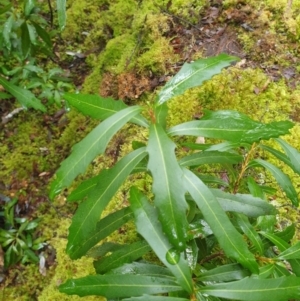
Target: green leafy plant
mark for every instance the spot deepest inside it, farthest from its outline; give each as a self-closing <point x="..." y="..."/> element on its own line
<point x="23" y="37"/>
<point x="17" y="237"/>
<point x="214" y="238"/>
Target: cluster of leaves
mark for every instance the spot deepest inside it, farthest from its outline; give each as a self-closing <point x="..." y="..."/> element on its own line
<point x="24" y="37"/>
<point x="17" y="237"/>
<point x="213" y="238"/>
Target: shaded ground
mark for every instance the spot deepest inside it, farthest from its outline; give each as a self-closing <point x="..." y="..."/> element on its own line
<point x="217" y="30"/>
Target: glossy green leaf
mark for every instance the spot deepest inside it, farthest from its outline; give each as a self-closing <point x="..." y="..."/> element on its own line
<point x="279" y="155"/>
<point x="194" y="74"/>
<point x="100" y="108"/>
<point x="228" y="272"/>
<point x="85" y="220"/>
<point x="61" y="12"/>
<point x="88" y="148"/>
<point x="228" y="237"/>
<point x="167" y="186"/>
<point x="127" y="254"/>
<point x="142" y="268"/>
<point x="282" y="179"/>
<point x="288" y="233"/>
<point x="7" y="28"/>
<point x="254" y="188"/>
<point x="231" y="126"/>
<point x="227" y="146"/>
<point x="209" y="157"/>
<point x="191" y="253"/>
<point x="264" y="272"/>
<point x="155" y="298"/>
<point x="84" y="189"/>
<point x="104" y="228"/>
<point x="161" y="113"/>
<point x="292" y="154"/>
<point x="118" y="286"/>
<point x="280" y="270"/>
<point x="292" y="252"/>
<point x="277" y="241"/>
<point x="250" y="232"/>
<point x="205" y="297"/>
<point x="25" y="40"/>
<point x="25" y="97"/>
<point x="243" y="203"/>
<point x="248" y="289"/>
<point x="28" y="7"/>
<point x="101" y="250"/>
<point x="43" y="34"/>
<point x="295" y="265"/>
<point x="34" y="40"/>
<point x="208" y="179"/>
<point x="148" y="225"/>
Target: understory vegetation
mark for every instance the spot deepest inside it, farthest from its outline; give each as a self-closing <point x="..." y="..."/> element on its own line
<point x="187" y="189"/>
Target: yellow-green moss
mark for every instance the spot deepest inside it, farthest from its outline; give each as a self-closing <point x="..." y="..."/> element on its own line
<point x="65" y="268"/>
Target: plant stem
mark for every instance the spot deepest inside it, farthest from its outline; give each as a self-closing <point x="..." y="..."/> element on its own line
<point x="244" y="168"/>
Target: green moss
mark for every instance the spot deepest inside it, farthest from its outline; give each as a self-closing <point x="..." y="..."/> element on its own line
<point x="131" y="33"/>
<point x="65" y="268"/>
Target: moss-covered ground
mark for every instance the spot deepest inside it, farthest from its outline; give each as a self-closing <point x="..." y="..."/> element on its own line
<point x="131" y="48"/>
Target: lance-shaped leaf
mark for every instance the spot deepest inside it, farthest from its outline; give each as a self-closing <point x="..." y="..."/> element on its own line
<point x="194" y="74"/>
<point x="292" y="154"/>
<point x="101" y="250"/>
<point x="148" y="225"/>
<point x="84" y="189"/>
<point x="250" y="232"/>
<point x="255" y="189"/>
<point x="25" y="97"/>
<point x="89" y="147"/>
<point x="87" y="186"/>
<point x="249" y="289"/>
<point x="228" y="237"/>
<point x="210" y="157"/>
<point x="291" y="253"/>
<point x="87" y="215"/>
<point x="99" y="107"/>
<point x="228" y="272"/>
<point x="282" y="179"/>
<point x="61" y="12"/>
<point x="243" y="203"/>
<point x="28" y="7"/>
<point x="167" y="186"/>
<point x="279" y="155"/>
<point x="288" y="233"/>
<point x="104" y="227"/>
<point x="43" y="34"/>
<point x="231" y="126"/>
<point x="264" y="272"/>
<point x="126" y="254"/>
<point x="155" y="298"/>
<point x="143" y="268"/>
<point x="7" y="29"/>
<point x="280" y="270"/>
<point x="26" y="45"/>
<point x="161" y="113"/>
<point x="118" y="286"/>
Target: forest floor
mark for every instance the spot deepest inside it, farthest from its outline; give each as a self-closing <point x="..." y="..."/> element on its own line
<point x="33" y="144"/>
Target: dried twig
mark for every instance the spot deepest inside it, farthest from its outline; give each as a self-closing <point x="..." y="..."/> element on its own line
<point x="6" y="118"/>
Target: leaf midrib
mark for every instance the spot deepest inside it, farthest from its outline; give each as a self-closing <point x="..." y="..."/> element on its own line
<point x="164" y="246"/>
<point x="165" y="174"/>
<point x="104" y="192"/>
<point x="218" y="221"/>
<point x="92" y="145"/>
